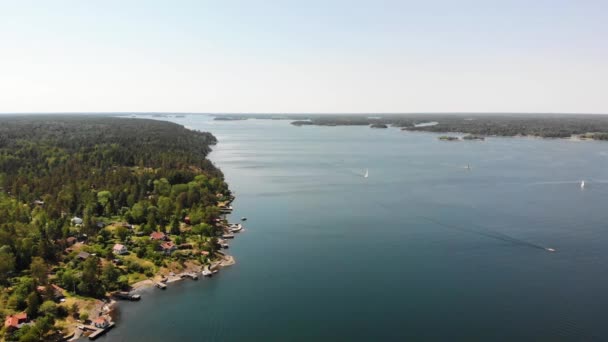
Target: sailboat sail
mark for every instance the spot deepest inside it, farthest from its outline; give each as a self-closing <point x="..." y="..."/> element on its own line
<point x="582" y="184"/>
<point x="366" y="173"/>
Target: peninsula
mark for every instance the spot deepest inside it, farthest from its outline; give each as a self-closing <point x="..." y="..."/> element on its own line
<point x="90" y="206"/>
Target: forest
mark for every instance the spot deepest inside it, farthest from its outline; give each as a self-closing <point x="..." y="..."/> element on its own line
<point x="540" y="125"/>
<point x="72" y="188"/>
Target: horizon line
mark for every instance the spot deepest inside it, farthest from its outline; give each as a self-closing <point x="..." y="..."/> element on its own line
<point x="298" y="113"/>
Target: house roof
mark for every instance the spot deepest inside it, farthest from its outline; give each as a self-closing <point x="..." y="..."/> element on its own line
<point x="100" y="320"/>
<point x="83" y="255"/>
<point x="157" y="235"/>
<point x="118" y="246"/>
<point x="15" y="320"/>
<point x="58" y="290"/>
<point x="167" y="245"/>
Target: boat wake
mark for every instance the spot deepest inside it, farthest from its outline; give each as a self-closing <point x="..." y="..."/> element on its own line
<point x="482" y="231"/>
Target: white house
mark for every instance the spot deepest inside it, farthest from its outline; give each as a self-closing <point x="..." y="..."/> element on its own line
<point x="119" y="249"/>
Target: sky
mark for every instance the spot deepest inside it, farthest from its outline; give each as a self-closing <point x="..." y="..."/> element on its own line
<point x="304" y="56"/>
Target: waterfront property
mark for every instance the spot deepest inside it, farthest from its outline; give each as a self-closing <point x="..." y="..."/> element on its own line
<point x="15" y="321"/>
<point x="167" y="247"/>
<point x="158" y="236"/>
<point x="120" y="249"/>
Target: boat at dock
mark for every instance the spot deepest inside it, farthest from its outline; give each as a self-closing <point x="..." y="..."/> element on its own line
<point x="190" y="275"/>
<point x="226" y="210"/>
<point x="235" y="227"/>
<point x="243" y="218"/>
<point x="161" y="286"/>
<point x="126" y="296"/>
<point x="228" y="236"/>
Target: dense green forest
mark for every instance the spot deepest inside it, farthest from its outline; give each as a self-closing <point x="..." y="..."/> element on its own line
<point x="73" y="184"/>
<point x="541" y="125"/>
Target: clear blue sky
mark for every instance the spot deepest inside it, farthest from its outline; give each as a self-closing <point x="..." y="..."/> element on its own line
<point x="304" y="56"/>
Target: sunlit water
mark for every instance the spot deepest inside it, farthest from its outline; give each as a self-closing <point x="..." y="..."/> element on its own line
<point x="422" y="249"/>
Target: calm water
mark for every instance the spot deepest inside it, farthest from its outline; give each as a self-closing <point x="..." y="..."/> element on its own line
<point x="422" y="249"/>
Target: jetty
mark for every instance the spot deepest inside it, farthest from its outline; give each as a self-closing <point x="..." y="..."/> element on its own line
<point x="207" y="272"/>
<point x="190" y="275"/>
<point x="228" y="235"/>
<point x="126" y="296"/>
<point x="96" y="332"/>
<point x="161" y="286"/>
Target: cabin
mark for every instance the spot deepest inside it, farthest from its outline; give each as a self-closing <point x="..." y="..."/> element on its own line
<point x="83" y="255"/>
<point x="119" y="249"/>
<point x="15" y="321"/>
<point x="167" y="247"/>
<point x="57" y="292"/>
<point x="71" y="241"/>
<point x="158" y="236"/>
<point x="101" y="322"/>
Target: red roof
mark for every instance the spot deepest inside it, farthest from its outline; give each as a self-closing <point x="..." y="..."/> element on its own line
<point x="157" y="236"/>
<point x="15" y="320"/>
<point x="204" y="253"/>
<point x="167" y="245"/>
<point x="118" y="246"/>
<point x="100" y="320"/>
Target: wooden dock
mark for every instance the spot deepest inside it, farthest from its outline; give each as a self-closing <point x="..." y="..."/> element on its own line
<point x="98" y="331"/>
<point x="190" y="275"/>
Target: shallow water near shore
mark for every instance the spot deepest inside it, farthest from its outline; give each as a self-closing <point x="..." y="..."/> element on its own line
<point x="423" y="249"/>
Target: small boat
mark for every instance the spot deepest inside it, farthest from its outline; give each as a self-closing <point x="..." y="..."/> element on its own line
<point x="366" y="173"/>
<point x="207" y="273"/>
<point x="582" y="184"/>
<point x="228" y="236"/>
<point x="161" y="286"/>
<point x="550" y="250"/>
<point x="243" y="218"/>
<point x="468" y="167"/>
<point x="235" y="228"/>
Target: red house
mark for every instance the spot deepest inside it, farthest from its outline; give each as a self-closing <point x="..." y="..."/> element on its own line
<point x="158" y="236"/>
<point x="15" y="321"/>
<point x="168" y="247"/>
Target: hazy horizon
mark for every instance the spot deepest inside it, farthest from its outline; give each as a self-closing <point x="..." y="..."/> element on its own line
<point x="314" y="57"/>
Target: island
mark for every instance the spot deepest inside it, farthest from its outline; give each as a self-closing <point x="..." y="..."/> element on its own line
<point x="378" y="125"/>
<point x="478" y="125"/>
<point x="92" y="207"/>
<point x="448" y="138"/>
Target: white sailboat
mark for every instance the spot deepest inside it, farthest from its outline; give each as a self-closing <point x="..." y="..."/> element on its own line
<point x="582" y="184"/>
<point x="366" y="173"/>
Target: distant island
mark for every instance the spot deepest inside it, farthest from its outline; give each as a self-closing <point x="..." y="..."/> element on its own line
<point x="378" y="125"/>
<point x="91" y="207"/>
<point x="580" y="126"/>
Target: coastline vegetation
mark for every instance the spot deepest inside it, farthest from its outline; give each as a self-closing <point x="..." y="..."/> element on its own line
<point x="586" y="126"/>
<point x="81" y="202"/>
